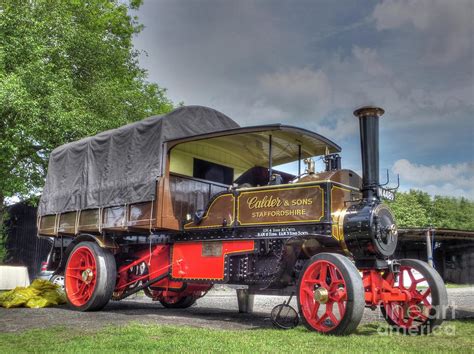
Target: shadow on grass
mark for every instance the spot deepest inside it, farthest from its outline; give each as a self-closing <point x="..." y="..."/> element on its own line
<point x="256" y="320"/>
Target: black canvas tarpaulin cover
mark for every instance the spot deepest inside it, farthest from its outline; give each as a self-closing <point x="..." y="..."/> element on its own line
<point x="120" y="166"/>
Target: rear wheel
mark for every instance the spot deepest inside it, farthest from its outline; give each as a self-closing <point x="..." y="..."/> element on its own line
<point x="427" y="302"/>
<point x="330" y="294"/>
<point x="90" y="277"/>
<point x="178" y="303"/>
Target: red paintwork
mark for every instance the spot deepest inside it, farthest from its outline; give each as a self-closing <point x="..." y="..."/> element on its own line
<point x="157" y="265"/>
<point x="379" y="288"/>
<point x="78" y="290"/>
<point x="322" y="317"/>
<point x="195" y="290"/>
<point x="157" y="261"/>
<point x="168" y="284"/>
<point x="189" y="263"/>
<point x="415" y="307"/>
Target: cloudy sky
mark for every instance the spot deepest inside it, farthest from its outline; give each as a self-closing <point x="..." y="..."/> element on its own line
<point x="311" y="63"/>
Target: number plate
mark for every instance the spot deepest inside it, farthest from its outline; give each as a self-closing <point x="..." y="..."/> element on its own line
<point x="386" y="194"/>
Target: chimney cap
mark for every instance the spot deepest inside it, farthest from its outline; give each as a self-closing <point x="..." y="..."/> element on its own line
<point x="368" y="111"/>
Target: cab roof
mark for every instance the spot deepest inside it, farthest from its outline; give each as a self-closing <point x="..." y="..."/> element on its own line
<point x="254" y="143"/>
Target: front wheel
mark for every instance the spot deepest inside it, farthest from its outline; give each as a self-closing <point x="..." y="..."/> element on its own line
<point x="331" y="296"/>
<point x="90" y="277"/>
<point x="428" y="299"/>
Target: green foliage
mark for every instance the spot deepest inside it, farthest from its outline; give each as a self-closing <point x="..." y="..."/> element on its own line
<point x="3" y="246"/>
<point x="67" y="70"/>
<point x="409" y="212"/>
<point x="418" y="209"/>
<point x="3" y="234"/>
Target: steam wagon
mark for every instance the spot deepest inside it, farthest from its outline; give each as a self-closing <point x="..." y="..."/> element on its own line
<point x="176" y="203"/>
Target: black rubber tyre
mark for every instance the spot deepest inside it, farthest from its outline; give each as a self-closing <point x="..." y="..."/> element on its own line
<point x="355" y="303"/>
<point x="105" y="273"/>
<point x="439" y="298"/>
<point x="183" y="303"/>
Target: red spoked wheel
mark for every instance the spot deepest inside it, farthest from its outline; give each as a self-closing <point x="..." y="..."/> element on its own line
<point x="427" y="299"/>
<point x="90" y="277"/>
<point x="81" y="276"/>
<point x="330" y="294"/>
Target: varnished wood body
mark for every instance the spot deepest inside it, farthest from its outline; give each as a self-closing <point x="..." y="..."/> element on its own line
<point x="312" y="199"/>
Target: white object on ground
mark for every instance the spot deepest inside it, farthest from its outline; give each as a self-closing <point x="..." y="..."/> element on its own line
<point x="11" y="277"/>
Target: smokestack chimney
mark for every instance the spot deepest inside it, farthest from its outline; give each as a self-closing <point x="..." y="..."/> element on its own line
<point x="369" y="146"/>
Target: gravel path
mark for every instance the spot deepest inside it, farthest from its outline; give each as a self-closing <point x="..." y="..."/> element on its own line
<point x="218" y="310"/>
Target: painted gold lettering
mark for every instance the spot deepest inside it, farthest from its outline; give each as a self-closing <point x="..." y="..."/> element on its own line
<point x="265" y="202"/>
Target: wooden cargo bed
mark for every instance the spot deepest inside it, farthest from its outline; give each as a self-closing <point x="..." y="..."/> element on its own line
<point x="187" y="194"/>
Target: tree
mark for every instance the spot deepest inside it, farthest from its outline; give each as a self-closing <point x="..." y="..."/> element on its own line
<point x="67" y="70"/>
<point x="417" y="209"/>
<point x="443" y="211"/>
<point x="408" y="210"/>
<point x="465" y="214"/>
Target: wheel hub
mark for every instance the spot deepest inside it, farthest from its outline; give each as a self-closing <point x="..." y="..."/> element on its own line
<point x="87" y="275"/>
<point x="321" y="295"/>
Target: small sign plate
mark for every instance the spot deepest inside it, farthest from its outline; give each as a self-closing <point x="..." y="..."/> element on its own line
<point x="212" y="249"/>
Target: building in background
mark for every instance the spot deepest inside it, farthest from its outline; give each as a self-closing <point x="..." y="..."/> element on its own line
<point x="452" y="251"/>
<point x="23" y="247"/>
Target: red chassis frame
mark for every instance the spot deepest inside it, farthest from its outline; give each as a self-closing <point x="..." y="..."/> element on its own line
<point x="189" y="261"/>
<point x="186" y="261"/>
<point x="158" y="263"/>
<point x="379" y="288"/>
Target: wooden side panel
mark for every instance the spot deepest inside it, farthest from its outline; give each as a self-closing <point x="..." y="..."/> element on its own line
<point x="47" y="225"/>
<point x="219" y="214"/>
<point x="190" y="195"/>
<point x="89" y="221"/>
<point x="141" y="215"/>
<point x="67" y="223"/>
<point x="120" y="218"/>
<point x="165" y="218"/>
<point x="114" y="217"/>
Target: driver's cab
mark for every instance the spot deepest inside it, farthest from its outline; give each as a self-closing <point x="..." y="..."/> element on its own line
<point x="202" y="167"/>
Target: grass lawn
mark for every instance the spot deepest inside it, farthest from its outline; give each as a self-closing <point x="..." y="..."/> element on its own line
<point x="452" y="336"/>
<point x="454" y="286"/>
